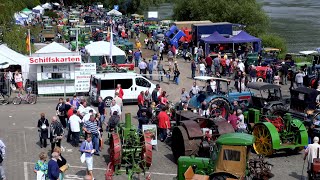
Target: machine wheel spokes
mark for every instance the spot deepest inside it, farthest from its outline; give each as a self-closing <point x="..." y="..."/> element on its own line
<point x="115" y="149"/>
<point x="146" y="153"/>
<point x="263" y="143"/>
<point x="110" y="171"/>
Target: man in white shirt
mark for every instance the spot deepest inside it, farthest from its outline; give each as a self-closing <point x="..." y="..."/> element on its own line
<point x="194" y="89"/>
<point x="86" y="117"/>
<point x="115" y="107"/>
<point x="311" y="152"/>
<point x="75" y="121"/>
<point x="118" y="100"/>
<point x="241" y="66"/>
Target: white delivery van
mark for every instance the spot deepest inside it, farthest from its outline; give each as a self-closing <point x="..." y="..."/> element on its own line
<point x="104" y="85"/>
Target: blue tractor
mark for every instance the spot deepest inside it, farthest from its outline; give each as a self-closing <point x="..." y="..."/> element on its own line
<point x="220" y="96"/>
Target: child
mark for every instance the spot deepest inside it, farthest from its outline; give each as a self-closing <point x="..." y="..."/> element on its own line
<point x="276" y="79"/>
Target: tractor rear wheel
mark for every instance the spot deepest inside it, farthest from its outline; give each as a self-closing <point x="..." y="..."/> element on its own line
<point x="146" y="153"/>
<point x="263" y="143"/>
<point x="277" y="110"/>
<point x="222" y="176"/>
<point x="182" y="145"/>
<point x="223" y="106"/>
<point x="115" y="150"/>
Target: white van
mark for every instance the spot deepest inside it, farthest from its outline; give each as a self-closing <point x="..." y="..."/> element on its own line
<point x="104" y="85"/>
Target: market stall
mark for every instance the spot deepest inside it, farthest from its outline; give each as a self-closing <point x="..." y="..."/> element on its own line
<point x="100" y="51"/>
<point x="54" y="65"/>
<point x="38" y="10"/>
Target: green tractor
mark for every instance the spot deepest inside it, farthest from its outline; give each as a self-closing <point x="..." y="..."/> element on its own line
<point x="275" y="133"/>
<point x="229" y="159"/>
<point x="130" y="151"/>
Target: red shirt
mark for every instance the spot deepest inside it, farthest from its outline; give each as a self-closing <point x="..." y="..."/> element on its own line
<point x="163" y="118"/>
<point x="209" y="61"/>
<point x="140" y="99"/>
<point x="223" y="62"/>
<point x="233" y="119"/>
<point x="70" y="112"/>
<point x="120" y="92"/>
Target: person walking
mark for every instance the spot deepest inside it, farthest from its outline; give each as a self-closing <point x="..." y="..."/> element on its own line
<point x="113" y="122"/>
<point x="62" y="163"/>
<point x="143" y="67"/>
<point x="61" y="112"/>
<point x="311" y="153"/>
<point x="119" y="90"/>
<point x="87" y="148"/>
<point x="43" y="129"/>
<point x="200" y="52"/>
<point x="137" y="56"/>
<point x="160" y="71"/>
<point x="253" y="74"/>
<point x="176" y="76"/>
<point x="193" y="69"/>
<point x="102" y="109"/>
<point x="276" y="79"/>
<point x="19" y="81"/>
<point x="150" y="68"/>
<point x="2" y="157"/>
<point x="41" y="167"/>
<point x="202" y="69"/>
<point x="209" y="63"/>
<point x="56" y="133"/>
<point x="299" y="79"/>
<point x="115" y="107"/>
<point x="164" y="123"/>
<point x="53" y="168"/>
<point x="284" y="72"/>
<point x="75" y="128"/>
<point x="91" y="127"/>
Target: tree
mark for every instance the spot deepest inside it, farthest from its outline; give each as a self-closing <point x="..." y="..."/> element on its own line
<point x="133" y="6"/>
<point x="275" y="41"/>
<point x="245" y="12"/>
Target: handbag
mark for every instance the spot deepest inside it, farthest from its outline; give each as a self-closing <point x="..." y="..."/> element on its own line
<point x="83" y="155"/>
<point x="64" y="168"/>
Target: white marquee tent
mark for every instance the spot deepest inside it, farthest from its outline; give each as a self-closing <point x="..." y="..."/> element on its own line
<point x="114" y="13"/>
<point x="11" y="57"/>
<point x="38" y="9"/>
<point x="53" y="48"/>
<point x="47" y="6"/>
<point x="102" y="48"/>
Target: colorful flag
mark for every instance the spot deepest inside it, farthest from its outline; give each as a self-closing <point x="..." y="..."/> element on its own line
<point x="28" y="41"/>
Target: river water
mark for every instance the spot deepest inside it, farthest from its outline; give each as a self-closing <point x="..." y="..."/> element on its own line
<point x="295" y="20"/>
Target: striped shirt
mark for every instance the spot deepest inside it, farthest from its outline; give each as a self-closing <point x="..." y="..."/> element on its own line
<point x="91" y="126"/>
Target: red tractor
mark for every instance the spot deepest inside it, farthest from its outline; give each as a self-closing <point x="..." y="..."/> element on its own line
<point x="262" y="73"/>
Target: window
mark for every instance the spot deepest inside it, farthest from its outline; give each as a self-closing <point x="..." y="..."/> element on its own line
<point x="108" y="85"/>
<point x="55" y="71"/>
<point x="301" y="96"/>
<point x="125" y="83"/>
<point x="142" y="82"/>
<point x="231" y="155"/>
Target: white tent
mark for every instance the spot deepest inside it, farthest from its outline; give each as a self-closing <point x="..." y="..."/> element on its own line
<point x="38" y="9"/>
<point x="56" y="4"/>
<point x="114" y="13"/>
<point x="53" y="48"/>
<point x="13" y="58"/>
<point x="102" y="48"/>
<point x="47" y="6"/>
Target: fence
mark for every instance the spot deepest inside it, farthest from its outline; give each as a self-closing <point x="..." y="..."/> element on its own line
<point x="62" y="84"/>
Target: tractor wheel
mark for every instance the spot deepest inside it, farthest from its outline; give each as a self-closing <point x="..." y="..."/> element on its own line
<point x="277" y="110"/>
<point x="109" y="171"/>
<point x="181" y="145"/>
<point x="263" y="143"/>
<point x="146" y="153"/>
<point x="260" y="79"/>
<point x="115" y="150"/>
<point x="223" y="106"/>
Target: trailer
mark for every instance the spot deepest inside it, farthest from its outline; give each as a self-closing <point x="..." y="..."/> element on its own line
<point x="188" y="24"/>
<point x="205" y="30"/>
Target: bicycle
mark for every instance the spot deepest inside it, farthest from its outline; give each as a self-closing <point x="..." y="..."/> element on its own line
<point x="29" y="98"/>
<point x="4" y="98"/>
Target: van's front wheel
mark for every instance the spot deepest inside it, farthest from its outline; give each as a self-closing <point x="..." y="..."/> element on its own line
<point x="108" y="100"/>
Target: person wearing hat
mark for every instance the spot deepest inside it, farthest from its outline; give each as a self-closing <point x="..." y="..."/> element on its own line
<point x="311" y="153"/>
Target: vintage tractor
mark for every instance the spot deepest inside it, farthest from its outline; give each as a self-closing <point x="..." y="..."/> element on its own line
<point x="222" y="96"/>
<point x="194" y="135"/>
<point x="130" y="151"/>
<point x="274" y="133"/>
<point x="229" y="159"/>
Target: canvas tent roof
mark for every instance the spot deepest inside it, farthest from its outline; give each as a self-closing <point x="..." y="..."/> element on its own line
<point x="38" y="8"/>
<point x="102" y="48"/>
<point x="47" y="6"/>
<point x="216" y="38"/>
<point x="244" y="37"/>
<point x="114" y="12"/>
<point x="13" y="58"/>
<point x="53" y="48"/>
<point x="26" y="11"/>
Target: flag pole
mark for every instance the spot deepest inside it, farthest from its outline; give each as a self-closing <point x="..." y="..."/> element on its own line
<point x="29" y="43"/>
<point x="111" y="42"/>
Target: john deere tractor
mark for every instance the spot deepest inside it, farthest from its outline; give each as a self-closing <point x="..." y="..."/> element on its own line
<point x="229" y="159"/>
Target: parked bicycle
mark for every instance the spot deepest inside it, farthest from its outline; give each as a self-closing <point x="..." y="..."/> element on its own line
<point x="4" y="98"/>
<point x="29" y="98"/>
